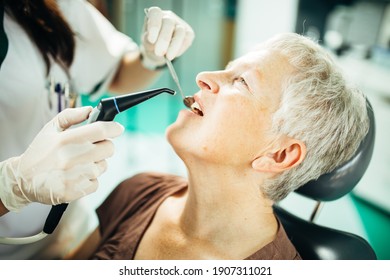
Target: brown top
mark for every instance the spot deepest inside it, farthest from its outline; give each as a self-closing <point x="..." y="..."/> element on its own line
<point x="127" y="212"/>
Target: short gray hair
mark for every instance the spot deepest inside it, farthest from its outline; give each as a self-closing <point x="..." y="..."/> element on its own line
<point x="317" y="107"/>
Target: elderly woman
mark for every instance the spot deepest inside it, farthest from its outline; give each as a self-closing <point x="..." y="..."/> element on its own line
<point x="275" y="118"/>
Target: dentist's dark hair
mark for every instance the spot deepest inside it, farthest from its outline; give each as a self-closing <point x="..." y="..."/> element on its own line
<point x="44" y="23"/>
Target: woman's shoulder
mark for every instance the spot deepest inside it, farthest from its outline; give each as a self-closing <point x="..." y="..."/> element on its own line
<point x="145" y="186"/>
<point x="156" y="177"/>
<point x="280" y="248"/>
<point x="140" y="193"/>
<point x="150" y="181"/>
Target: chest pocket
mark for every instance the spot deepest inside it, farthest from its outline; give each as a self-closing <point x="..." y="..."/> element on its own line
<point x="3" y="36"/>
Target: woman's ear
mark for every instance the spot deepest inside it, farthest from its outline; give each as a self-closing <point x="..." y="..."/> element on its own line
<point x="290" y="153"/>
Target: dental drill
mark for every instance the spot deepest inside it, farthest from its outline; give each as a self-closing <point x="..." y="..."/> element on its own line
<point x="106" y="110"/>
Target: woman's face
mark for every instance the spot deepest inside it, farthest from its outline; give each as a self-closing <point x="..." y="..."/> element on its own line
<point x="237" y="105"/>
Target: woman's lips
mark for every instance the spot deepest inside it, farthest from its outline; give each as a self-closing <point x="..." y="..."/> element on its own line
<point x="196" y="109"/>
<point x="191" y="103"/>
<point x="197" y="106"/>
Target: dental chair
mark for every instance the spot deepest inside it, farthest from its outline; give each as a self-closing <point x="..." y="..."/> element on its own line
<point x="316" y="242"/>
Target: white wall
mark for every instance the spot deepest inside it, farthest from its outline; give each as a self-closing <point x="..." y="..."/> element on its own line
<point x="258" y="20"/>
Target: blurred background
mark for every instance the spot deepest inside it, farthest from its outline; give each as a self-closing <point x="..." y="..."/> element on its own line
<point x="357" y="32"/>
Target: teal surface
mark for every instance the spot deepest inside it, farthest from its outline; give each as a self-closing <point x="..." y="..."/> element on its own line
<point x="377" y="225"/>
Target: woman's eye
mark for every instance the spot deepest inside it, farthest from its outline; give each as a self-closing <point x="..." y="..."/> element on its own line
<point x="241" y="80"/>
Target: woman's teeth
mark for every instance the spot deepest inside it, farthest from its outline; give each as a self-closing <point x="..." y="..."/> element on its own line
<point x="190" y="103"/>
<point x="196" y="109"/>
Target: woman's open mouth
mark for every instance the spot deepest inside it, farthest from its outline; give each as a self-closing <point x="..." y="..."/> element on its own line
<point x="190" y="103"/>
<point x="196" y="109"/>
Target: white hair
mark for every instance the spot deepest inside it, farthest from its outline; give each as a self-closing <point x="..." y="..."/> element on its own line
<point x="317" y="107"/>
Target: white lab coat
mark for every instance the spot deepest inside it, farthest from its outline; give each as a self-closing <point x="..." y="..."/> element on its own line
<point x="24" y="109"/>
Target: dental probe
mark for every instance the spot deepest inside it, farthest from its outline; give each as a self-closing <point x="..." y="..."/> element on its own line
<point x="187" y="100"/>
<point x="106" y="110"/>
<point x="174" y="75"/>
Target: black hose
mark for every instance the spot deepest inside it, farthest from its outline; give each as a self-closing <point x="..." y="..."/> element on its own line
<point x="54" y="217"/>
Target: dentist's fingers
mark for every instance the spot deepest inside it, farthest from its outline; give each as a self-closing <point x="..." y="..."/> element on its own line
<point x="82" y="181"/>
<point x="101" y="150"/>
<point x="165" y="36"/>
<point x="95" y="132"/>
<point x="153" y="24"/>
<point x="187" y="42"/>
<point x="95" y="170"/>
<point x="71" y="116"/>
<point x="176" y="42"/>
<point x="84" y="153"/>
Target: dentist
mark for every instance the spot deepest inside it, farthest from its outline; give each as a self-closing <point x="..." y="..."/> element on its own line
<point x="50" y="52"/>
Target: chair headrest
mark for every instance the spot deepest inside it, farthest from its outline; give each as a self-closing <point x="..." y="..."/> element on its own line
<point x="344" y="178"/>
<point x="318" y="242"/>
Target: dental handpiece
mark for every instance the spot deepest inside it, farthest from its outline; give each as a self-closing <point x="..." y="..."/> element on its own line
<point x="106" y="110"/>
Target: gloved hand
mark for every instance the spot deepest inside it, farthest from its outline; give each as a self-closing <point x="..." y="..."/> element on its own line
<point x="61" y="164"/>
<point x="164" y="34"/>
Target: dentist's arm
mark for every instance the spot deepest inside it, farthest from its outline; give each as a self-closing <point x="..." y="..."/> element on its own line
<point x="61" y="164"/>
<point x="164" y="34"/>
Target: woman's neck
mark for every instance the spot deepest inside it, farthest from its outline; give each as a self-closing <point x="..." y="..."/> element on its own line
<point x="222" y="204"/>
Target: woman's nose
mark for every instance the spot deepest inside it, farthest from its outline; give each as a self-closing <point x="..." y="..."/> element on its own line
<point x="207" y="81"/>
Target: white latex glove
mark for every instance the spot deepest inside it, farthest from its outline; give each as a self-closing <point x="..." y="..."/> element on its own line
<point x="61" y="164"/>
<point x="164" y="34"/>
